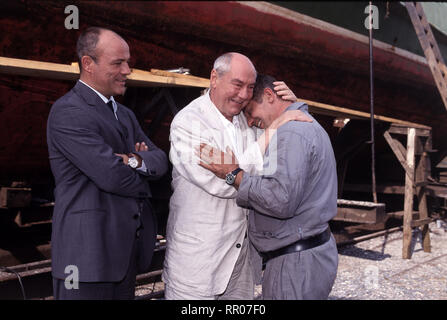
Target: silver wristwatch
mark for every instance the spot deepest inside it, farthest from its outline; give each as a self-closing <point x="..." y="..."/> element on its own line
<point x="133" y="163"/>
<point x="231" y="177"/>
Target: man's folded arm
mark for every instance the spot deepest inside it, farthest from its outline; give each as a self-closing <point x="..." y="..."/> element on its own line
<point x="154" y="158"/>
<point x="76" y="137"/>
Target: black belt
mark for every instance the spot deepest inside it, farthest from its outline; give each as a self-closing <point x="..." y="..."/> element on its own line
<point x="298" y="246"/>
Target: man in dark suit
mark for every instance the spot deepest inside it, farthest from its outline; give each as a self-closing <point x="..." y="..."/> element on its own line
<point x="104" y="230"/>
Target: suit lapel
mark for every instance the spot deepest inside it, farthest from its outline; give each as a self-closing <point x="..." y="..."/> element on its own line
<point x="104" y="111"/>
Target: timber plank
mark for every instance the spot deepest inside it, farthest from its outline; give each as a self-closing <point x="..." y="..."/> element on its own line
<point x="138" y="78"/>
<point x="161" y="78"/>
<point x="360" y="211"/>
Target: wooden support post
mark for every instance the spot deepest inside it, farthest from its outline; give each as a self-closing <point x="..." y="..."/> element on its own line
<point x="409" y="185"/>
<point x="416" y="177"/>
<point x="422" y="170"/>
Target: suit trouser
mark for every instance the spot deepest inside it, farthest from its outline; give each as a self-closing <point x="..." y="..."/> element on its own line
<point x="240" y="286"/>
<point x="122" y="290"/>
<point x="305" y="275"/>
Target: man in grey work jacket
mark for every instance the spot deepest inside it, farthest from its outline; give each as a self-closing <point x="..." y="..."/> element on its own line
<point x="292" y="205"/>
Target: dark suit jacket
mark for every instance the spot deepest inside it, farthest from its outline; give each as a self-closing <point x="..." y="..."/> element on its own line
<point x="97" y="196"/>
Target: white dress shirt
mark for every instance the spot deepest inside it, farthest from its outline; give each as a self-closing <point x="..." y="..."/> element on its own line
<point x="103" y="98"/>
<point x="205" y="226"/>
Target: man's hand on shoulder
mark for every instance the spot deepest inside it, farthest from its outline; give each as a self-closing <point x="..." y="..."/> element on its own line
<point x="289" y="115"/>
<point x="284" y="91"/>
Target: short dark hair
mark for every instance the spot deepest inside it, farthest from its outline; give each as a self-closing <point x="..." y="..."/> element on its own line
<point x="87" y="42"/>
<point x="262" y="81"/>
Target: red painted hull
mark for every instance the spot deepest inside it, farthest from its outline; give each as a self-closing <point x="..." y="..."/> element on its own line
<point x="314" y="62"/>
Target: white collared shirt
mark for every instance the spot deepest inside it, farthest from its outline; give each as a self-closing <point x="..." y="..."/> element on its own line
<point x="250" y="159"/>
<point x="233" y="129"/>
<point x="115" y="106"/>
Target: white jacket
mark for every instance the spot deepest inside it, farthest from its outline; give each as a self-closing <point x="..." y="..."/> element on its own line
<point x="205" y="225"/>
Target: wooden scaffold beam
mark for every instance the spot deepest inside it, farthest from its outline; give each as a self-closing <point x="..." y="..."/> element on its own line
<point x="429" y="46"/>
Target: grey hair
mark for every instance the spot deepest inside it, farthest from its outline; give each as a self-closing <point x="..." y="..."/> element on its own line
<point x="222" y="63"/>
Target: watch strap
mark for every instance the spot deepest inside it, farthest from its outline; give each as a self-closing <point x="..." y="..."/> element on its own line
<point x="236" y="171"/>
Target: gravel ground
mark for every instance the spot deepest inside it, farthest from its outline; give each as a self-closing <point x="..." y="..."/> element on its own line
<point x="149" y="289"/>
<point x="374" y="269"/>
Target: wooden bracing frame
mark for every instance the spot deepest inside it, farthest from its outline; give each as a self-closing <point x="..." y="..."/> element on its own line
<point x="416" y="163"/>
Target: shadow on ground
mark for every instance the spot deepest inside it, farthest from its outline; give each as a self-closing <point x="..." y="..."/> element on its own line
<point x="353" y="251"/>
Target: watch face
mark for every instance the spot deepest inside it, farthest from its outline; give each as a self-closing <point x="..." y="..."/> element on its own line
<point x="230" y="178"/>
<point x="133" y="162"/>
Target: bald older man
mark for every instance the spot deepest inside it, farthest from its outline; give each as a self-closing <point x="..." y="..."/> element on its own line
<point x="207" y="246"/>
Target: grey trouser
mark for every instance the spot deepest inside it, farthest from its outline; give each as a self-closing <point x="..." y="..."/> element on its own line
<point x="305" y="275"/>
<point x="240" y="285"/>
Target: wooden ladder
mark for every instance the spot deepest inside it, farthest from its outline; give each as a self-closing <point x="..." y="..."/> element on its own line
<point x="416" y="162"/>
<point x="430" y="47"/>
